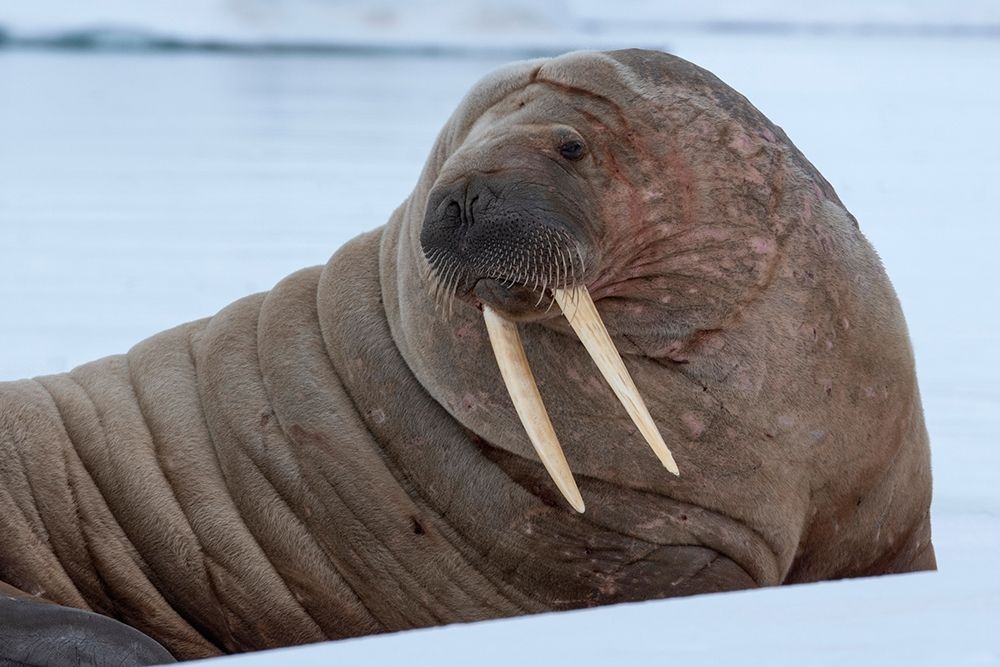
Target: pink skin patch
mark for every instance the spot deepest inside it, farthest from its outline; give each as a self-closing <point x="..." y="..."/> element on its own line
<point x="469" y="401"/>
<point x="762" y="246"/>
<point x="480" y="400"/>
<point x="467" y="330"/>
<point x="744" y="146"/>
<point x="694" y="423"/>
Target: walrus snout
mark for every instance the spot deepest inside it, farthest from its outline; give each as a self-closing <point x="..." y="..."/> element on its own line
<point x="515" y="237"/>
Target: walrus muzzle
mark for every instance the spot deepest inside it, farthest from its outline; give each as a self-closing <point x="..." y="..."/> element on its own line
<point x="501" y="246"/>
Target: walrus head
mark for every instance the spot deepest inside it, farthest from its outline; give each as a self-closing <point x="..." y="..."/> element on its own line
<point x="556" y="191"/>
<point x="629" y="199"/>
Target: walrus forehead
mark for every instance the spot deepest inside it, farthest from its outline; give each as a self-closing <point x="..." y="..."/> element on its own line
<point x="575" y="85"/>
<point x="598" y="75"/>
<point x="531" y="116"/>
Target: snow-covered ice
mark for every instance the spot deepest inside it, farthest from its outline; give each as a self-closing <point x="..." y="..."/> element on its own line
<point x="912" y="620"/>
<point x="141" y="191"/>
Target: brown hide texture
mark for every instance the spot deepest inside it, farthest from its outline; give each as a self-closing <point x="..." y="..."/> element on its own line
<point x="336" y="458"/>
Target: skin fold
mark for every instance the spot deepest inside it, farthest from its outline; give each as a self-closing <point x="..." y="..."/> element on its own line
<point x="338" y="457"/>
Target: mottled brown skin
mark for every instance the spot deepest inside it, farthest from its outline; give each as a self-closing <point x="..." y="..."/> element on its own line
<point x="336" y="458"/>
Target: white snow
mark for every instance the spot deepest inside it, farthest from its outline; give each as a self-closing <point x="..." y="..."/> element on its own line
<point x="140" y="191"/>
<point x="916" y="619"/>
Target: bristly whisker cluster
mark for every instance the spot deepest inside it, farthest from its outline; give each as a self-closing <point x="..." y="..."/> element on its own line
<point x="551" y="259"/>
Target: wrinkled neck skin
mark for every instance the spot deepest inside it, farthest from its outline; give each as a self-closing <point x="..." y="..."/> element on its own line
<point x="717" y="241"/>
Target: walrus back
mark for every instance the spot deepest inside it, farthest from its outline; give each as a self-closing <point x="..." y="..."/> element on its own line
<point x="130" y="487"/>
<point x="84" y="480"/>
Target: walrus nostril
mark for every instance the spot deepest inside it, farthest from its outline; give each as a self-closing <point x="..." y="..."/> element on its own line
<point x="453" y="214"/>
<point x="470" y="211"/>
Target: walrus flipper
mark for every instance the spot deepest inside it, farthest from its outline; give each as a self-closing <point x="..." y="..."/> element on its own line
<point x="43" y="634"/>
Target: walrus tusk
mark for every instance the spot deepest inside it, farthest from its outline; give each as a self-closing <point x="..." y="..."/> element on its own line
<point x="579" y="310"/>
<point x="520" y="382"/>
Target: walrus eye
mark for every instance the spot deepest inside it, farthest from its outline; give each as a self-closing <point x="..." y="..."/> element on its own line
<point x="572" y="150"/>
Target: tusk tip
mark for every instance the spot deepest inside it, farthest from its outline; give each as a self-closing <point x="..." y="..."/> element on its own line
<point x="571" y="493"/>
<point x="671" y="465"/>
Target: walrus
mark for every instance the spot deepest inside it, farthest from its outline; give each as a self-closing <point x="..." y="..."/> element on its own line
<point x="622" y="342"/>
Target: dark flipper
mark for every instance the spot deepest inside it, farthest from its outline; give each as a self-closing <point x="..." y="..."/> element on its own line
<point x="41" y="634"/>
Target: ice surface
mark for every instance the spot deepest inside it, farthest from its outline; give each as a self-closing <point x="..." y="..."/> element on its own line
<point x="916" y="619"/>
<point x="138" y="192"/>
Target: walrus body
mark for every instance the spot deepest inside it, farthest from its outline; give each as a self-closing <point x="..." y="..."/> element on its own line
<point x="337" y="457"/>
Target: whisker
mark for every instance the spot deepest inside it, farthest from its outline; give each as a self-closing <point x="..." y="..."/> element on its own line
<point x="451" y="291"/>
<point x="437" y="294"/>
<point x="541" y="295"/>
<point x="434" y="283"/>
<point x="562" y="258"/>
<point x="534" y="270"/>
<point x="572" y="266"/>
<point x="446" y="305"/>
<point x="433" y="290"/>
<point x="449" y="271"/>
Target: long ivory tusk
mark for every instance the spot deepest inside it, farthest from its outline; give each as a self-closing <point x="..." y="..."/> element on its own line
<point x="520" y="382"/>
<point x="579" y="309"/>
